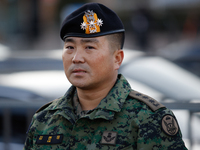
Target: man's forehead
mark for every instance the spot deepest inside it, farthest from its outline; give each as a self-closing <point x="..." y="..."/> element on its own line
<point x="83" y="40"/>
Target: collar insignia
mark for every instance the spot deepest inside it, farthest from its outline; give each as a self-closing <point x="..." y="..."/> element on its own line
<point x="91" y="23"/>
<point x="170" y="125"/>
<point x="49" y="139"/>
<point x="109" y="137"/>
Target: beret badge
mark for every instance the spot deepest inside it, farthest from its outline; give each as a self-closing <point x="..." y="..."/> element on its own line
<point x="91" y="23"/>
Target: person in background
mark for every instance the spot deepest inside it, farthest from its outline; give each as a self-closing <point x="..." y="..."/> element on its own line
<point x="100" y="110"/>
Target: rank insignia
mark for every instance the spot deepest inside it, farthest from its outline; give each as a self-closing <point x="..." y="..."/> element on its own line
<point x="152" y="103"/>
<point x="170" y="125"/>
<point x="49" y="139"/>
<point x="91" y="23"/>
<point x="109" y="137"/>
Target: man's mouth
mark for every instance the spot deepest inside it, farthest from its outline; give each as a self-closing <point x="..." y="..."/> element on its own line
<point x="78" y="71"/>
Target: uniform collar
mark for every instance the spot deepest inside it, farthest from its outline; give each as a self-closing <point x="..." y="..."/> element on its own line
<point x="66" y="101"/>
<point x="113" y="102"/>
<point x="116" y="97"/>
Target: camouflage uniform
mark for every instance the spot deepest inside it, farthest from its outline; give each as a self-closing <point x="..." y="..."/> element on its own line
<point x="125" y="119"/>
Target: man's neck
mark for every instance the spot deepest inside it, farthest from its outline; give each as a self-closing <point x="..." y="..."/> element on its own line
<point x="90" y="99"/>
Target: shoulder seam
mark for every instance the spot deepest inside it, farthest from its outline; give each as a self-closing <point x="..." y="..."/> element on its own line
<point x="149" y="101"/>
<point x="46" y="105"/>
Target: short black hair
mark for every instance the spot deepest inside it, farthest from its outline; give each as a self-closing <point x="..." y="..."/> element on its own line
<point x="116" y="40"/>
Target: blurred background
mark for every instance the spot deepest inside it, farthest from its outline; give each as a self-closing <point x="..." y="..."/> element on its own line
<point x="162" y="59"/>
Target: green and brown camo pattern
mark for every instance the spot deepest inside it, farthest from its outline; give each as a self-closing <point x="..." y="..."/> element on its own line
<point x="136" y="125"/>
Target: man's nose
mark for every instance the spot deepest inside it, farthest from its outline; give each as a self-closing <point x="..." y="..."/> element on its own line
<point x="78" y="57"/>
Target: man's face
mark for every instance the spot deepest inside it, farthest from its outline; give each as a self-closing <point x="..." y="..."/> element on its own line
<point x="89" y="63"/>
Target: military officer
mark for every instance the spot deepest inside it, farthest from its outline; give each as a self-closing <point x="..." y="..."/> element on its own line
<point x="100" y="110"/>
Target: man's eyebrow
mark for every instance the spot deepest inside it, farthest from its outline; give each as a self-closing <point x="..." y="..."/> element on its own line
<point x="84" y="40"/>
<point x="89" y="40"/>
<point x="69" y="40"/>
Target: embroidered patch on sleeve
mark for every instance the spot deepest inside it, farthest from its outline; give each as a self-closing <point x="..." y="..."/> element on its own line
<point x="170" y="125"/>
<point x="109" y="137"/>
<point x="49" y="139"/>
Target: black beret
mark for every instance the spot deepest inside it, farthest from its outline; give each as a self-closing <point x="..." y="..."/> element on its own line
<point x="91" y="20"/>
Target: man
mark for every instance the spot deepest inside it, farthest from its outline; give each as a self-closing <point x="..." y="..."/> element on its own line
<point x="100" y="110"/>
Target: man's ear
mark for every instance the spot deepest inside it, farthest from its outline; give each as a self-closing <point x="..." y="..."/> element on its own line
<point x="119" y="56"/>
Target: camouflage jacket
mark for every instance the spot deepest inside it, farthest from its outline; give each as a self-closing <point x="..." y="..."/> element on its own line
<point x="124" y="119"/>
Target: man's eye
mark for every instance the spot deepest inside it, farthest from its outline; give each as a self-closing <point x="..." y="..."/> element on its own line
<point x="90" y="47"/>
<point x="69" y="47"/>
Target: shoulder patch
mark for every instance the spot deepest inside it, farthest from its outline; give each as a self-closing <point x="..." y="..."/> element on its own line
<point x="170" y="125"/>
<point x="152" y="103"/>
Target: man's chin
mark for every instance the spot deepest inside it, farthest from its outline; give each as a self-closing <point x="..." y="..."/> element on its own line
<point x="78" y="84"/>
<point x="83" y="86"/>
